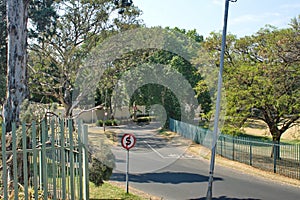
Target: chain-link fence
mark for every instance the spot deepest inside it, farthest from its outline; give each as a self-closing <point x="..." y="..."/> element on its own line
<point x="246" y="150"/>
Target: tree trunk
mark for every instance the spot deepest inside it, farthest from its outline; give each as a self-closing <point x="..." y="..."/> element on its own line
<point x="17" y="90"/>
<point x="276" y="146"/>
<point x="68" y="112"/>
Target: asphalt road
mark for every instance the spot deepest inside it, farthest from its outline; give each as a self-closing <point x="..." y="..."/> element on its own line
<point x="162" y="168"/>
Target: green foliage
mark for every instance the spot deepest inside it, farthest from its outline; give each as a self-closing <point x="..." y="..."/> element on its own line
<point x="31" y="111"/>
<point x="109" y="122"/>
<point x="64" y="40"/>
<point x="99" y="172"/>
<point x="43" y="16"/>
<point x="192" y="34"/>
<point x="261" y="77"/>
<point x="102" y="162"/>
<point x="232" y="130"/>
<point x="99" y="122"/>
<point x="154" y="93"/>
<point x="205" y="100"/>
<point x="109" y="191"/>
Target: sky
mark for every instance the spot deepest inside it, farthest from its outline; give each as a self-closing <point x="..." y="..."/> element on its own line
<point x="245" y="17"/>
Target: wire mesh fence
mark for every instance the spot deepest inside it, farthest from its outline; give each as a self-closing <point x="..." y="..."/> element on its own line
<point x="262" y="155"/>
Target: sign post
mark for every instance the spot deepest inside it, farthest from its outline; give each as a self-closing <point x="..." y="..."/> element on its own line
<point x="127" y="171"/>
<point x="128" y="141"/>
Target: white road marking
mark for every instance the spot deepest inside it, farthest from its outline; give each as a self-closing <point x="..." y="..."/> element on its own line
<point x="160" y="155"/>
<point x="172" y="156"/>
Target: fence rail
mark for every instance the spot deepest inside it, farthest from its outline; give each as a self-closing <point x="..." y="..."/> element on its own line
<point x="252" y="152"/>
<point x="44" y="161"/>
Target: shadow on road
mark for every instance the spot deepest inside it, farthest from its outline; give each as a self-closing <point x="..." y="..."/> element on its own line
<point x="163" y="177"/>
<point x="225" y="198"/>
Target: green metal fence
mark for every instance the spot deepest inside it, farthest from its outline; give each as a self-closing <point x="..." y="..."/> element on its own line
<point x="45" y="161"/>
<point x="245" y="150"/>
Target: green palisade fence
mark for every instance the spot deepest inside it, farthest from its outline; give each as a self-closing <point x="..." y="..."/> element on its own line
<point x="252" y="152"/>
<point x="45" y="161"/>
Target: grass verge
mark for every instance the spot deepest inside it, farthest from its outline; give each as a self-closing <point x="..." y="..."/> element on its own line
<point x="110" y="191"/>
<point x="205" y="153"/>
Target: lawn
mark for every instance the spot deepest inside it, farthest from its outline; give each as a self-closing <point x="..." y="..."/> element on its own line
<point x="109" y="191"/>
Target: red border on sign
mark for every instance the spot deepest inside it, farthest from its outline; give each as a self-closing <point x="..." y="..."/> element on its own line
<point x="123" y="137"/>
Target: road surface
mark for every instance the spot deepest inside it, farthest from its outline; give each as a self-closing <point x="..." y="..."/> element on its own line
<point x="164" y="169"/>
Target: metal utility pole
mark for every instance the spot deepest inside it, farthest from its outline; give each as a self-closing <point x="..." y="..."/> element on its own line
<point x="218" y="104"/>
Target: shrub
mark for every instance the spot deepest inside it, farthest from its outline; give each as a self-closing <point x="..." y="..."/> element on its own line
<point x="99" y="123"/>
<point x="99" y="172"/>
<point x="102" y="162"/>
<point x="109" y="122"/>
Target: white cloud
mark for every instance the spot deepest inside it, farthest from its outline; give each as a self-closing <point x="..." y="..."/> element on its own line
<point x="218" y="2"/>
<point x="249" y="18"/>
<point x="290" y="6"/>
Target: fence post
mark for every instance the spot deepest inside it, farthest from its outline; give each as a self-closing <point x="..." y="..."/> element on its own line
<point x="233" y="141"/>
<point x="298" y="158"/>
<point x="274" y="156"/>
<point x="4" y="157"/>
<point x="80" y="159"/>
<point x="72" y="186"/>
<point x="44" y="166"/>
<point x="53" y="154"/>
<point x="63" y="158"/>
<point x="25" y="162"/>
<point x="250" y="143"/>
<point x="85" y="163"/>
<point x="15" y="162"/>
<point x="224" y="146"/>
<point x="35" y="157"/>
<point x="221" y="143"/>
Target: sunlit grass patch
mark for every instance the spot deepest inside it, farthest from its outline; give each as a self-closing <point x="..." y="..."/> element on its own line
<point x="109" y="191"/>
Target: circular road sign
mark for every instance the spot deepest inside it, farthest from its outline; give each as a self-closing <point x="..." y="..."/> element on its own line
<point x="128" y="141"/>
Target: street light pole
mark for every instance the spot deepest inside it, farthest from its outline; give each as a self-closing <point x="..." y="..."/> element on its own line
<point x="218" y="104"/>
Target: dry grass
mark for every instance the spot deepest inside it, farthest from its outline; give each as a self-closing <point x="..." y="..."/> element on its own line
<point x="134" y="191"/>
<point x="111" y="190"/>
<point x="260" y="128"/>
<point x="204" y="152"/>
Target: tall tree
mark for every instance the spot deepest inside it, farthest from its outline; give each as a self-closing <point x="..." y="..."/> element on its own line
<point x="154" y="93"/>
<point x="17" y="90"/>
<point x="13" y="53"/>
<point x="56" y="58"/>
<point x="3" y="45"/>
<point x="262" y="77"/>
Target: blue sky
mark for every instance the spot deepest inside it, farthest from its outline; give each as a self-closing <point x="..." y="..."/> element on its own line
<point x="245" y="16"/>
